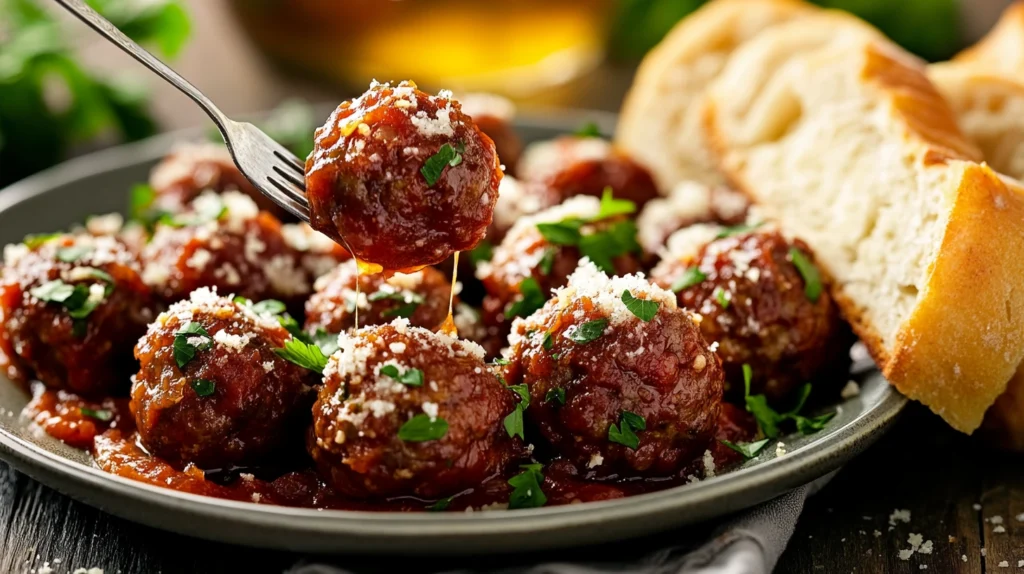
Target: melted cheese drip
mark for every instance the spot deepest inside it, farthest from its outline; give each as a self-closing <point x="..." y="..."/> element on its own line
<point x="448" y="327"/>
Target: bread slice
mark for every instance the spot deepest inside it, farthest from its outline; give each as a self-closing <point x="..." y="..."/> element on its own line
<point x="989" y="109"/>
<point x="850" y="147"/>
<point x="660" y="121"/>
<point x="1002" y="49"/>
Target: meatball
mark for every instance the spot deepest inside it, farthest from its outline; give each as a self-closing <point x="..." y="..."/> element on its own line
<point x="193" y="168"/>
<point x="224" y="241"/>
<point x="573" y="165"/>
<point x="211" y="391"/>
<point x="493" y="114"/>
<point x="762" y="303"/>
<point x="71" y="307"/>
<point x="517" y="199"/>
<point x="407" y="412"/>
<point x="537" y="256"/>
<point x="688" y="203"/>
<point x="318" y="254"/>
<point x="621" y="382"/>
<point x="401" y="178"/>
<point x="420" y="296"/>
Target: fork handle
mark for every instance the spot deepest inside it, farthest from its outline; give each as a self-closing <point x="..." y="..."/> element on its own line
<point x="85" y="13"/>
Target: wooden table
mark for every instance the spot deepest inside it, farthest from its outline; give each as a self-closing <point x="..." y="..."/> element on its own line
<point x="955" y="490"/>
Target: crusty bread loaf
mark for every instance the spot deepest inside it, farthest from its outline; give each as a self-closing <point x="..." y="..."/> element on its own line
<point x="1002" y="49"/>
<point x="850" y="147"/>
<point x="989" y="109"/>
<point x="660" y="121"/>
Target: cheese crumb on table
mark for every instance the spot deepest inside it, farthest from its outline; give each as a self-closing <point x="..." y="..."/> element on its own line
<point x="852" y="389"/>
<point x="899" y="515"/>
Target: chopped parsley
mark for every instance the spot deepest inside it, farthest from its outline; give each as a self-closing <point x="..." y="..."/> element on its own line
<point x="625" y="432"/>
<point x="738" y="229"/>
<point x="500" y="361"/>
<point x="328" y="342"/>
<point x="588" y="331"/>
<point x="186" y="344"/>
<point x="446" y="156"/>
<point x="98" y="414"/>
<point x="210" y="211"/>
<point x="547" y="260"/>
<point x="421" y="429"/>
<point x="588" y="130"/>
<point x="410" y="378"/>
<point x="440" y="505"/>
<point x="809" y="272"/>
<point x="38" y="239"/>
<point x="203" y="387"/>
<point x="531" y="298"/>
<point x="514" y="420"/>
<point x="601" y="246"/>
<point x="268" y="307"/>
<point x="555" y="394"/>
<point x="692" y="276"/>
<point x="769" y="420"/>
<point x="565" y="232"/>
<point x="409" y="302"/>
<point x="73" y="253"/>
<point x="547" y="342"/>
<point x="722" y="297"/>
<point x="139" y="201"/>
<point x="748" y="449"/>
<point x="484" y="251"/>
<point x="526" y="491"/>
<point x="644" y="310"/>
<point x="611" y="207"/>
<point x="306" y="355"/>
<point x="78" y="300"/>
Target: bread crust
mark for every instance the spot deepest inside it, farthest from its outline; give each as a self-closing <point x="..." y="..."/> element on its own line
<point x="1002" y="49"/>
<point x="962" y="341"/>
<point x="656" y="125"/>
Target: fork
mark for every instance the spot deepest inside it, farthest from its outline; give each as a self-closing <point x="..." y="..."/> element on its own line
<point x="274" y="170"/>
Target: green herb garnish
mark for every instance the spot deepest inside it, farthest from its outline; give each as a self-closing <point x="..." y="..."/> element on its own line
<point x="410" y="378"/>
<point x="73" y="253"/>
<point x="738" y="229"/>
<point x="645" y="310"/>
<point x="306" y="355"/>
<point x="526" y="491"/>
<point x="203" y="387"/>
<point x="530" y="299"/>
<point x="484" y="251"/>
<point x="98" y="414"/>
<point x="809" y="272"/>
<point x="435" y="164"/>
<point x="409" y="302"/>
<point x="748" y="449"/>
<point x="188" y="341"/>
<point x="555" y="394"/>
<point x="769" y="420"/>
<point x="692" y="276"/>
<point x="269" y="307"/>
<point x="588" y="130"/>
<point x="588" y="331"/>
<point x="625" y="432"/>
<point x="723" y="297"/>
<point x="611" y="207"/>
<point x="421" y="429"/>
<point x="565" y="232"/>
<point x="440" y="505"/>
<point x="37" y="239"/>
<point x="547" y="260"/>
<point x="514" y="420"/>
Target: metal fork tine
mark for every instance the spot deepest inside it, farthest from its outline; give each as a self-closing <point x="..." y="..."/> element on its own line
<point x="283" y="197"/>
<point x="292" y="161"/>
<point x="290" y="176"/>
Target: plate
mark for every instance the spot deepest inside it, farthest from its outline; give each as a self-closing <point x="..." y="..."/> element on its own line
<point x="99" y="183"/>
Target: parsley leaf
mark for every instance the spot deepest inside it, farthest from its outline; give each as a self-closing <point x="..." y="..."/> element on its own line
<point x="440" y="505"/>
<point x="769" y="420"/>
<point x="722" y="296"/>
<point x="555" y="394"/>
<point x="269" y="307"/>
<point x="809" y="272"/>
<point x="547" y="341"/>
<point x="186" y="344"/>
<point x="588" y="130"/>
<point x="73" y="253"/>
<point x="500" y="361"/>
<point x="748" y="449"/>
<point x="692" y="276"/>
<point x="435" y="164"/>
<point x="328" y="342"/>
<point x="588" y="331"/>
<point x="410" y="378"/>
<point x="514" y="420"/>
<point x="57" y="291"/>
<point x="98" y="414"/>
<point x="484" y="251"/>
<point x="303" y="354"/>
<point x="547" y="260"/>
<point x="611" y="207"/>
<point x="811" y="425"/>
<point x="603" y="246"/>
<point x="738" y="229"/>
<point x="421" y="429"/>
<point x="139" y="201"/>
<point x="203" y="387"/>
<point x="409" y="302"/>
<point x="37" y="239"/>
<point x="645" y="310"/>
<point x="624" y="433"/>
<point x="531" y="299"/>
<point x="565" y="232"/>
<point x="526" y="491"/>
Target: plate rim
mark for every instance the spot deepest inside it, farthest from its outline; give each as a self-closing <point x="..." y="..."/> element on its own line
<point x="383" y="529"/>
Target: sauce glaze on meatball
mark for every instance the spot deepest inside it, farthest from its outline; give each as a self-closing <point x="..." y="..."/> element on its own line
<point x="753" y="300"/>
<point x="572" y="166"/>
<point x="233" y="402"/>
<point x="593" y="366"/>
<point x="407" y="412"/>
<point x="224" y="241"/>
<point x="71" y="307"/>
<point x="420" y="296"/>
<point x="371" y="177"/>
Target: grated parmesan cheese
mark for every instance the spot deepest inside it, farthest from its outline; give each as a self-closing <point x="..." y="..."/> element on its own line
<point x="852" y="389"/>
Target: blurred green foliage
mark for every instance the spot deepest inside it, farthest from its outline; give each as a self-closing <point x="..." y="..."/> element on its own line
<point x="49" y="102"/>
<point x="928" y="28"/>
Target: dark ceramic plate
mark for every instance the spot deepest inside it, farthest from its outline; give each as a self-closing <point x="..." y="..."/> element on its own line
<point x="99" y="183"/>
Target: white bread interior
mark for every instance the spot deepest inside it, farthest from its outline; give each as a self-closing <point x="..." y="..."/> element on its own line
<point x="660" y="122"/>
<point x="838" y="134"/>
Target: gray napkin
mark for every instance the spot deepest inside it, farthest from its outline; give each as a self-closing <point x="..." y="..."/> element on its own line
<point x="749" y="543"/>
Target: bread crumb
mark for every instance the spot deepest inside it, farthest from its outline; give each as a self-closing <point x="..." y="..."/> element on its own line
<point x="899" y="516"/>
<point x="852" y="389"/>
<point x="1004" y="564"/>
<point x="999" y="529"/>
